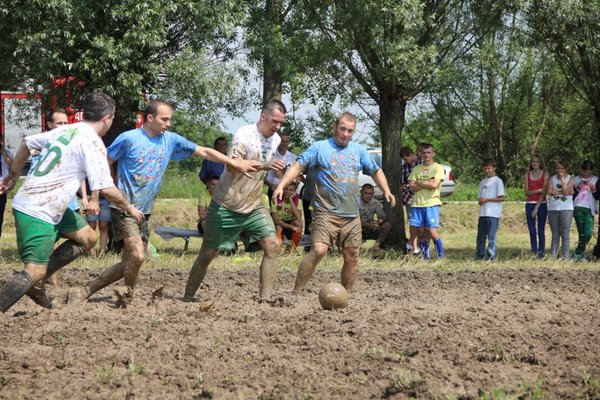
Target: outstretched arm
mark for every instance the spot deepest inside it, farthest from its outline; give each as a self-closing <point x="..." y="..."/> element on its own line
<point x="115" y="196"/>
<point x="291" y="174"/>
<point x="235" y="164"/>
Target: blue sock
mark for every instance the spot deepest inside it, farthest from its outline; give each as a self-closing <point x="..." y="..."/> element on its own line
<point x="424" y="246"/>
<point x="439" y="248"/>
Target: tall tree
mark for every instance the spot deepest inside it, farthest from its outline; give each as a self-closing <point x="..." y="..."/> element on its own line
<point x="387" y="52"/>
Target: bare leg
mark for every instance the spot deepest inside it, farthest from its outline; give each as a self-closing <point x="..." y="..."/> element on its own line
<point x="103" y="227"/>
<point x="268" y="266"/>
<point x="350" y="268"/>
<point x="307" y="267"/>
<point x="198" y="271"/>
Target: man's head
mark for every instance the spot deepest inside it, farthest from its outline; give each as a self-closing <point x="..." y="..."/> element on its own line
<point x="366" y="192"/>
<point x="489" y="168"/>
<point x="99" y="108"/>
<point x="211" y="184"/>
<point x="427" y="153"/>
<point x="271" y="118"/>
<point x="407" y="155"/>
<point x="56" y="118"/>
<point x="344" y="129"/>
<point x="158" y="115"/>
<point x="289" y="190"/>
<point x="220" y="144"/>
<point x="285" y="143"/>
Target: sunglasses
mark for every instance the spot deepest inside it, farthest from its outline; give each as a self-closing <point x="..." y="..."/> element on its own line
<point x="562" y="198"/>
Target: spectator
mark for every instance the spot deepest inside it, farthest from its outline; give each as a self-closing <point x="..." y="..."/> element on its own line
<point x="372" y="217"/>
<point x="287" y="215"/>
<point x="409" y="162"/>
<point x="288" y="158"/>
<point x="491" y="196"/>
<point x="211" y="168"/>
<point x="536" y="180"/>
<point x="6" y="160"/>
<point x="585" y="206"/>
<point x="560" y="208"/>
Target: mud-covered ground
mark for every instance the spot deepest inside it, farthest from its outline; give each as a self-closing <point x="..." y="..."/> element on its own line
<point x="496" y="333"/>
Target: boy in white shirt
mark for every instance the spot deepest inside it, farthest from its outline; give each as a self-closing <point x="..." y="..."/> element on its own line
<point x="491" y="196"/>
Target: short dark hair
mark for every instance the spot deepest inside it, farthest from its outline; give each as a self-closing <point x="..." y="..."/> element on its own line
<point x="367" y="186"/>
<point x="293" y="183"/>
<point x="424" y="146"/>
<point x="152" y="107"/>
<point x="489" y="162"/>
<point x="563" y="163"/>
<point x="274" y="105"/>
<point x="219" y="139"/>
<point x="406" y="151"/>
<point x="97" y="105"/>
<point x="50" y="115"/>
<point x="587" y="165"/>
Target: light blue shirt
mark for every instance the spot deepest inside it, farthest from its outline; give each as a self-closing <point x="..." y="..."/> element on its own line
<point x="337" y="169"/>
<point x="143" y="160"/>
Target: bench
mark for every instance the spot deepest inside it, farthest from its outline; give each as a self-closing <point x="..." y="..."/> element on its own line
<point x="169" y="232"/>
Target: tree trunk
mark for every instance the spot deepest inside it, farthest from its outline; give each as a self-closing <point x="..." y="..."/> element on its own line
<point x="392" y="112"/>
<point x="272" y="76"/>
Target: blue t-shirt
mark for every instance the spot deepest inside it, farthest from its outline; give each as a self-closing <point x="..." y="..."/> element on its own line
<point x="143" y="160"/>
<point x="210" y="169"/>
<point x="336" y="187"/>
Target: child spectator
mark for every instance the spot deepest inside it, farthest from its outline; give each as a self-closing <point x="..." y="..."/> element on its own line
<point x="560" y="208"/>
<point x="287" y="215"/>
<point x="491" y="196"/>
<point x="585" y="206"/>
<point x="535" y="183"/>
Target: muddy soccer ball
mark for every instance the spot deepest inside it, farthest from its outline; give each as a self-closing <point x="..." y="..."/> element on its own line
<point x="333" y="296"/>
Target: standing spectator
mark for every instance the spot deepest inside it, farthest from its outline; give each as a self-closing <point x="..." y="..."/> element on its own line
<point x="336" y="218"/>
<point x="308" y="194"/>
<point x="237" y="209"/>
<point x="211" y="168"/>
<point x="6" y="160"/>
<point x="143" y="155"/>
<point x="585" y="206"/>
<point x="288" y="158"/>
<point x="373" y="218"/>
<point x="560" y="208"/>
<point x="409" y="162"/>
<point x="425" y="181"/>
<point x="536" y="180"/>
<point x="491" y="196"/>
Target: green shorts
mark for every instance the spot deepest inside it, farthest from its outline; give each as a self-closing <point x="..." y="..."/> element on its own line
<point x="36" y="238"/>
<point x="224" y="227"/>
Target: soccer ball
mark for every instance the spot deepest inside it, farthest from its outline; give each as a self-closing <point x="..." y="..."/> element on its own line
<point x="333" y="296"/>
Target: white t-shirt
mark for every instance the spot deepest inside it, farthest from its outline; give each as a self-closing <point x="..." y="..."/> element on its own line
<point x="490" y="188"/>
<point x="238" y="192"/>
<point x="288" y="158"/>
<point x="585" y="198"/>
<point x="561" y="202"/>
<point x="68" y="154"/>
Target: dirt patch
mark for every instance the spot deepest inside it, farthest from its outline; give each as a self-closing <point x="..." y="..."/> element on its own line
<point x="424" y="334"/>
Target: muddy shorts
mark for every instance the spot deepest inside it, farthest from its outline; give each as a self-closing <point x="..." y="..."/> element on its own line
<point x="36" y="238"/>
<point x="224" y="227"/>
<point x="332" y="229"/>
<point x="125" y="226"/>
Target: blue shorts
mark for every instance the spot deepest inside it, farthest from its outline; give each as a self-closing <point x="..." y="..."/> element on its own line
<point x="425" y="217"/>
<point x="103" y="215"/>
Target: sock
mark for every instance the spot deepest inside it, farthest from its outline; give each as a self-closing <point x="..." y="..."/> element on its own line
<point x="424" y="246"/>
<point x="439" y="248"/>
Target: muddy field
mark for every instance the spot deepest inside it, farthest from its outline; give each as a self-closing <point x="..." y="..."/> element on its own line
<point x="486" y="334"/>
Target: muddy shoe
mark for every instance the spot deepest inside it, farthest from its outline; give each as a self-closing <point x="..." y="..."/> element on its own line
<point x="76" y="295"/>
<point x="37" y="293"/>
<point x="124" y="297"/>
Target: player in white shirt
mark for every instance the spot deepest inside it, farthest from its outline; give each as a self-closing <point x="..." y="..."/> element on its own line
<point x="68" y="155"/>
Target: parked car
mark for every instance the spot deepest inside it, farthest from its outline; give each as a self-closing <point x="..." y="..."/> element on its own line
<point x="447" y="185"/>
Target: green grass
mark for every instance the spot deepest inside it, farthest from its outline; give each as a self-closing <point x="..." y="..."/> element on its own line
<point x="469" y="191"/>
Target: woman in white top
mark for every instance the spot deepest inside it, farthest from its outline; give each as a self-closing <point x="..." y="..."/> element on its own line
<point x="585" y="206"/>
<point x="559" y="191"/>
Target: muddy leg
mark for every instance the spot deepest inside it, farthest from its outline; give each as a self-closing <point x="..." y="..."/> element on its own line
<point x="307" y="267"/>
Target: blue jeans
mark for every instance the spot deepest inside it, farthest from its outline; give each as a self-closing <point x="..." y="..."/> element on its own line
<point x="487" y="227"/>
<point x="537" y="237"/>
